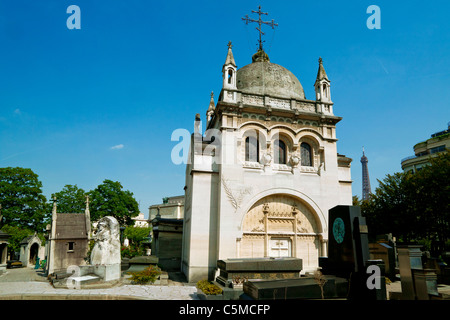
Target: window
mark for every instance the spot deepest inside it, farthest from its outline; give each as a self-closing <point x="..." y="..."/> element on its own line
<point x="325" y="91"/>
<point x="251" y="149"/>
<point x="280" y="152"/>
<point x="230" y="75"/>
<point x="437" y="149"/>
<point x="306" y="155"/>
<point x="70" y="246"/>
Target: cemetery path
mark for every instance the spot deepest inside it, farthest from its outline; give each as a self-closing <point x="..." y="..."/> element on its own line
<point x="25" y="283"/>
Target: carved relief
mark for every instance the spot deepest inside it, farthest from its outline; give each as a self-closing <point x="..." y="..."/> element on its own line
<point x="280" y="218"/>
<point x="281" y="210"/>
<point x="304" y="106"/>
<point x="279" y="103"/>
<point x="235" y="196"/>
<point x="253" y="100"/>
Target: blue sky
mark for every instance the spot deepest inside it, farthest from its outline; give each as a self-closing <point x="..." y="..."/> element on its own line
<point x="139" y="69"/>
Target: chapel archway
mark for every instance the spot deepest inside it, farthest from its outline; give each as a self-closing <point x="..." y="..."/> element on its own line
<point x="34" y="251"/>
<point x="3" y="253"/>
<point x="281" y="226"/>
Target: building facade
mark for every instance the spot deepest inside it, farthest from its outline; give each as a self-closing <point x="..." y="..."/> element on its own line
<point x="68" y="239"/>
<point x="171" y="208"/>
<point x="261" y="178"/>
<point x="439" y="142"/>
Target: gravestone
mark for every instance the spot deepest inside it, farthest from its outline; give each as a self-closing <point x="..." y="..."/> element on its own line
<point x="348" y="241"/>
<point x="257" y="268"/>
<point x="348" y="251"/>
<point x="409" y="257"/>
<point x="417" y="283"/>
<point x="386" y="253"/>
<point x="140" y="263"/>
<point x="300" y="288"/>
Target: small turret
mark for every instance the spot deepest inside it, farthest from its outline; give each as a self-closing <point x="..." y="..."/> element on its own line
<point x="211" y="108"/>
<point x="322" y="84"/>
<point x="229" y="73"/>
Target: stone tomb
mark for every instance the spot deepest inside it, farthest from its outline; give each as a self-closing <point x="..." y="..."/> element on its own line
<point x="386" y="253"/>
<point x="233" y="272"/>
<point x="300" y="288"/>
<point x="140" y="263"/>
<point x="417" y="283"/>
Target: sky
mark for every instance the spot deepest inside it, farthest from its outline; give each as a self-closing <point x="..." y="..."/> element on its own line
<point x="79" y="106"/>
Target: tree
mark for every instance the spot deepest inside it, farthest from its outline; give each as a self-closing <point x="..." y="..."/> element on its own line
<point x="413" y="206"/>
<point x="71" y="199"/>
<point x="17" y="234"/>
<point x="388" y="209"/>
<point x="432" y="200"/>
<point x="23" y="203"/>
<point x="136" y="234"/>
<point x="108" y="199"/>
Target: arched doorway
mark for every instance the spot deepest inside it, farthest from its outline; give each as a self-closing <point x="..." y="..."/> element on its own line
<point x="3" y="253"/>
<point x="281" y="225"/>
<point x="34" y="251"/>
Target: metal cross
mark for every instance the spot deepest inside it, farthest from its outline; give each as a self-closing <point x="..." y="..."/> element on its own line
<point x="260" y="22"/>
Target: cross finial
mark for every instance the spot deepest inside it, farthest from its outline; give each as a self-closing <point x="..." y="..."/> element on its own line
<point x="320" y="60"/>
<point x="229" y="45"/>
<point x="260" y="23"/>
<point x="212" y="94"/>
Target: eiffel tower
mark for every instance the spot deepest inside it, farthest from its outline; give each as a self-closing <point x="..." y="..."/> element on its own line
<point x="366" y="190"/>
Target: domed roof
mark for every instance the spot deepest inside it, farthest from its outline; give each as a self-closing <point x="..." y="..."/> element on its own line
<point x="263" y="77"/>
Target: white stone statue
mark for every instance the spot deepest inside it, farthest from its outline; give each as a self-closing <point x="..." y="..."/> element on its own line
<point x="106" y="250"/>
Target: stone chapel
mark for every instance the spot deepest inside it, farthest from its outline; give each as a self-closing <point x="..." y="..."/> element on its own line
<point x="261" y="178"/>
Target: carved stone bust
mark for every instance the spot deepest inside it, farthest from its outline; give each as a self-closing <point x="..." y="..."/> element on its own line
<point x="106" y="249"/>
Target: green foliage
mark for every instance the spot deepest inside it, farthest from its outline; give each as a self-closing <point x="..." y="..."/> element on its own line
<point x="17" y="235"/>
<point x="208" y="288"/>
<point x="71" y="199"/>
<point x="136" y="234"/>
<point x="87" y="258"/>
<point x="23" y="203"/>
<point x="108" y="199"/>
<point x="148" y="275"/>
<point x="414" y="207"/>
<point x="131" y="251"/>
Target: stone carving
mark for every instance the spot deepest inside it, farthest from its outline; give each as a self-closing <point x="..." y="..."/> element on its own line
<point x="278" y="103"/>
<point x="295" y="160"/>
<point x="253" y="100"/>
<point x="235" y="197"/>
<point x="309" y="107"/>
<point x="266" y="159"/>
<point x="106" y="250"/>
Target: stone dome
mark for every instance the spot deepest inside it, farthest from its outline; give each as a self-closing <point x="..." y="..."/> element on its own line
<point x="266" y="78"/>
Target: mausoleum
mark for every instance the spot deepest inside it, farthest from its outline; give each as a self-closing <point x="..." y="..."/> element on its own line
<point x="262" y="176"/>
